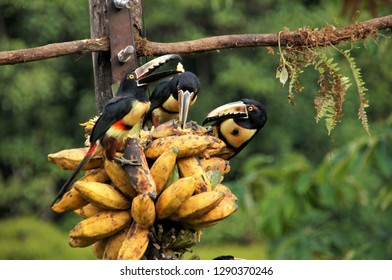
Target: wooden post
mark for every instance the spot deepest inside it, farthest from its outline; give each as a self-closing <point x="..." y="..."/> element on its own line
<point x="117" y="24"/>
<point x="101" y="60"/>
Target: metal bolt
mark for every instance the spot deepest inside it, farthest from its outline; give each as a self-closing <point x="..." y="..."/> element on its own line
<point x="125" y="54"/>
<point x="121" y="4"/>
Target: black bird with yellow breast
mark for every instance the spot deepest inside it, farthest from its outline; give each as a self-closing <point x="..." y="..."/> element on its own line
<point x="121" y="113"/>
<point x="171" y="99"/>
<point x="236" y="124"/>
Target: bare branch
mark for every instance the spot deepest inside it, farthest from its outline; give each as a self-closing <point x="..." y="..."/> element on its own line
<point x="301" y="37"/>
<point x="54" y="50"/>
<point x="304" y="37"/>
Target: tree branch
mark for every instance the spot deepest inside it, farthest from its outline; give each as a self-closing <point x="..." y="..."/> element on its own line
<point x="301" y="37"/>
<point x="54" y="50"/>
<point x="304" y="37"/>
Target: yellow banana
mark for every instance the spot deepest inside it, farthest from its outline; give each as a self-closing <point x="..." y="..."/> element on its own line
<point x="198" y="205"/>
<point x="191" y="167"/>
<point x="188" y="145"/>
<point x="98" y="248"/>
<point x="215" y="163"/>
<point x="69" y="159"/>
<point x="81" y="243"/>
<point x="101" y="225"/>
<point x="174" y="195"/>
<point x="114" y="244"/>
<point x="173" y="127"/>
<point x="72" y="199"/>
<point x="169" y="128"/>
<point x="163" y="167"/>
<point x="224" y="209"/>
<point x="135" y="243"/>
<point x="143" y="210"/>
<point x="199" y="227"/>
<point x="103" y="195"/>
<point x="226" y="190"/>
<point x="88" y="210"/>
<point x="119" y="178"/>
<point x="139" y="175"/>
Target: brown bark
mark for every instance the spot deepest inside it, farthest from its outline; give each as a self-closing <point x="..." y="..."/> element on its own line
<point x="54" y="50"/>
<point x="305" y="37"/>
<point x="145" y="47"/>
<point x="101" y="60"/>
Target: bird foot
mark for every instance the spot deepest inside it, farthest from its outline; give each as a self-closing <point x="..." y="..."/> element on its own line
<point x="123" y="161"/>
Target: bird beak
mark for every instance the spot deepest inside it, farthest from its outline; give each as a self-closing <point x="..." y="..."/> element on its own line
<point x="143" y="73"/>
<point x="233" y="110"/>
<point x="184" y="101"/>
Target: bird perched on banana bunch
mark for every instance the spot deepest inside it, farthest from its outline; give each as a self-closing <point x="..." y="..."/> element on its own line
<point x="236" y="124"/>
<point x="172" y="98"/>
<point x="121" y="113"/>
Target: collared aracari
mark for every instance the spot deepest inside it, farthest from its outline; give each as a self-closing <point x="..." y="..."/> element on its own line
<point x="122" y="112"/>
<point x="236" y="123"/>
<point x="171" y="99"/>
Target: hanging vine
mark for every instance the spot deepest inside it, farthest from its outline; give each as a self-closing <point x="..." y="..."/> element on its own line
<point x="333" y="85"/>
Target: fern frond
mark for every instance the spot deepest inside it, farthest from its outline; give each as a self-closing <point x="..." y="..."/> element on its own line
<point x="363" y="101"/>
<point x="330" y="96"/>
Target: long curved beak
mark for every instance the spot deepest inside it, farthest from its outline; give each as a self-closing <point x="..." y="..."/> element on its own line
<point x="144" y="74"/>
<point x="232" y="110"/>
<point x="184" y="101"/>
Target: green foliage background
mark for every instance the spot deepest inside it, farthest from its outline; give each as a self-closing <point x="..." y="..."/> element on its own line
<point x="302" y="194"/>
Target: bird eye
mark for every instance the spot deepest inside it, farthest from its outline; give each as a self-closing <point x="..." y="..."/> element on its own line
<point x="250" y="108"/>
<point x="131" y="76"/>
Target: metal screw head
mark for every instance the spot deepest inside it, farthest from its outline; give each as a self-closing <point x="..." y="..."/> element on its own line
<point x="121" y="4"/>
<point x="125" y="54"/>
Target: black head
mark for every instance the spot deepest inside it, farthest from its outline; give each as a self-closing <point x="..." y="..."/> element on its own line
<point x="142" y="76"/>
<point x="257" y="116"/>
<point x="236" y="123"/>
<point x="186" y="81"/>
<point x="248" y="113"/>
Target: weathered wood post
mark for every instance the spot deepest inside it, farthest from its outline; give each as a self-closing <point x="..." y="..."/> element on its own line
<point x="113" y="19"/>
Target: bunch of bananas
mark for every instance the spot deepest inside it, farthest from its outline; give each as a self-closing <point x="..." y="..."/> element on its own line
<point x="153" y="210"/>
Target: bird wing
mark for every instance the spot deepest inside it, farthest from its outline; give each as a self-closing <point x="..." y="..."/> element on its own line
<point x="114" y="110"/>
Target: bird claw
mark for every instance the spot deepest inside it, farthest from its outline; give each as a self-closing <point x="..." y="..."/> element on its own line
<point x="123" y="161"/>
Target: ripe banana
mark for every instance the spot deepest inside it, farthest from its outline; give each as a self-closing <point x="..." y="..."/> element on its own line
<point x="139" y="175"/>
<point x="174" y="176"/>
<point x="163" y="187"/>
<point x="163" y="167"/>
<point x="226" y="190"/>
<point x="101" y="225"/>
<point x="188" y="145"/>
<point x="69" y="159"/>
<point x="88" y="210"/>
<point x="168" y="128"/>
<point x="173" y="127"/>
<point x="119" y="178"/>
<point x="191" y="167"/>
<point x="98" y="248"/>
<point x="72" y="199"/>
<point x="102" y="195"/>
<point x="143" y="210"/>
<point x="114" y="244"/>
<point x="198" y="205"/>
<point x="215" y="163"/>
<point x="81" y="243"/>
<point x="135" y="243"/>
<point x="224" y="209"/>
<point x="174" y="195"/>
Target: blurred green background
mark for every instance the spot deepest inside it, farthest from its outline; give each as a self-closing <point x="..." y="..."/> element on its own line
<point x="303" y="194"/>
